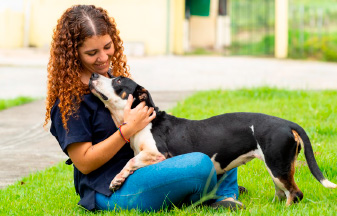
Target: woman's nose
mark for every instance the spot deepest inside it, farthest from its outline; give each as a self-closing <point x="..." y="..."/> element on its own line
<point x="103" y="57"/>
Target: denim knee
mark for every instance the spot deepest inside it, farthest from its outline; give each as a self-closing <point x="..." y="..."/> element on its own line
<point x="201" y="165"/>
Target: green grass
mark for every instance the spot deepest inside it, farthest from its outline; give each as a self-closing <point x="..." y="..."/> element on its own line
<point x="51" y="192"/>
<point x="8" y="103"/>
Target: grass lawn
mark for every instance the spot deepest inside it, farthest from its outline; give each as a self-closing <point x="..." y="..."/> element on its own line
<point x="7" y="103"/>
<point x="51" y="192"/>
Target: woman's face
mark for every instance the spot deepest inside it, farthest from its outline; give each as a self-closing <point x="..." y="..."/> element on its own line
<point x="95" y="55"/>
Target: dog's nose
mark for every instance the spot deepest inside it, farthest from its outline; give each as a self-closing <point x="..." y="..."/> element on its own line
<point x="94" y="76"/>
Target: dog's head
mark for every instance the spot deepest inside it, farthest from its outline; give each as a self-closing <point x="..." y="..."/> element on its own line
<point x="114" y="92"/>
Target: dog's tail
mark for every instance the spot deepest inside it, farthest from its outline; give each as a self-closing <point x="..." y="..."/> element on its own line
<point x="302" y="137"/>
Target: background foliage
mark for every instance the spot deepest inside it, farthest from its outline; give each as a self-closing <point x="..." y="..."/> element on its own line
<point x="312" y="28"/>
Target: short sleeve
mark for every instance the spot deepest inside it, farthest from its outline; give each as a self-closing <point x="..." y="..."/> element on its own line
<point x="79" y="127"/>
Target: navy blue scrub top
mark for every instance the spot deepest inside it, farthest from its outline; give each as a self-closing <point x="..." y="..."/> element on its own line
<point x="91" y="123"/>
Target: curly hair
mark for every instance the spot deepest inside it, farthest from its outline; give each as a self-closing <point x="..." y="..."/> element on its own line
<point x="64" y="67"/>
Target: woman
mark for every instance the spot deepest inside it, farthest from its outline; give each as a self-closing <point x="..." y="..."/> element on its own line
<point x="86" y="40"/>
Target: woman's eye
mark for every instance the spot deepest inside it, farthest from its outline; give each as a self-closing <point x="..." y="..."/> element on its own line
<point x="107" y="47"/>
<point x="92" y="54"/>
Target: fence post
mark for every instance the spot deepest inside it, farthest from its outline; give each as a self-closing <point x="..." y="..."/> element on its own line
<point x="281" y="28"/>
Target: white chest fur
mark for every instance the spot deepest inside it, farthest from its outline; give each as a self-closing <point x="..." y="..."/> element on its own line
<point x="143" y="140"/>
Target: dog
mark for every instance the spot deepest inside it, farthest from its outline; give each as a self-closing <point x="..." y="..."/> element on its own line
<point x="230" y="139"/>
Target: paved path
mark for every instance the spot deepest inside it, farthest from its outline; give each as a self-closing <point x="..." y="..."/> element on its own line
<point x="25" y="147"/>
<point x="24" y="73"/>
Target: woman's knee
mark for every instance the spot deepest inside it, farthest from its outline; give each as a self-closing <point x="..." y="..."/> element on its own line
<point x="232" y="173"/>
<point x="200" y="164"/>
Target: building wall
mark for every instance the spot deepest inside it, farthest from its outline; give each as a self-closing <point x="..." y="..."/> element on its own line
<point x="143" y="23"/>
<point x="11" y="25"/>
<point x="150" y="27"/>
<point x="203" y="29"/>
<point x="147" y="24"/>
<point x="176" y="30"/>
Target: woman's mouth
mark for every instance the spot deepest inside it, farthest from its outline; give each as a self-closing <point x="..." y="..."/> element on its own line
<point x="101" y="66"/>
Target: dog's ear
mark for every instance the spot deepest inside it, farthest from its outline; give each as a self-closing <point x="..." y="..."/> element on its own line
<point x="141" y="94"/>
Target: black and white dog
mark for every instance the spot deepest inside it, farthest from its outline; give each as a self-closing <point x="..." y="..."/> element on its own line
<point x="230" y="140"/>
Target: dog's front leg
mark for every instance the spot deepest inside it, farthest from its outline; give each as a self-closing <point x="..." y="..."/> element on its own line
<point x="144" y="158"/>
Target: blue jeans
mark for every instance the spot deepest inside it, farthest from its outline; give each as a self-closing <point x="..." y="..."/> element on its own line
<point x="183" y="179"/>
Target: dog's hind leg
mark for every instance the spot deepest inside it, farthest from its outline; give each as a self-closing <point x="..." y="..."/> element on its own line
<point x="144" y="158"/>
<point x="281" y="166"/>
<point x="285" y="187"/>
<point x="279" y="193"/>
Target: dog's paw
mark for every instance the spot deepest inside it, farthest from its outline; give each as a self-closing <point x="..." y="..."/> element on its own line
<point x="160" y="158"/>
<point x="153" y="158"/>
<point x="145" y="158"/>
<point x="116" y="183"/>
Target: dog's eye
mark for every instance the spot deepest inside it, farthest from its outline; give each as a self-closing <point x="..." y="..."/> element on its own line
<point x="117" y="81"/>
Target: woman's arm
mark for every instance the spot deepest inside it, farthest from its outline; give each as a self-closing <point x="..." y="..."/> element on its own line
<point x="87" y="157"/>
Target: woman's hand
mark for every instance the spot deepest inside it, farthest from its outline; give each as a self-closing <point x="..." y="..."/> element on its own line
<point x="136" y="118"/>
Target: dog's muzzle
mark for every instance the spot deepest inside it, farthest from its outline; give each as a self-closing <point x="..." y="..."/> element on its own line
<point x="92" y="88"/>
<point x="93" y="77"/>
